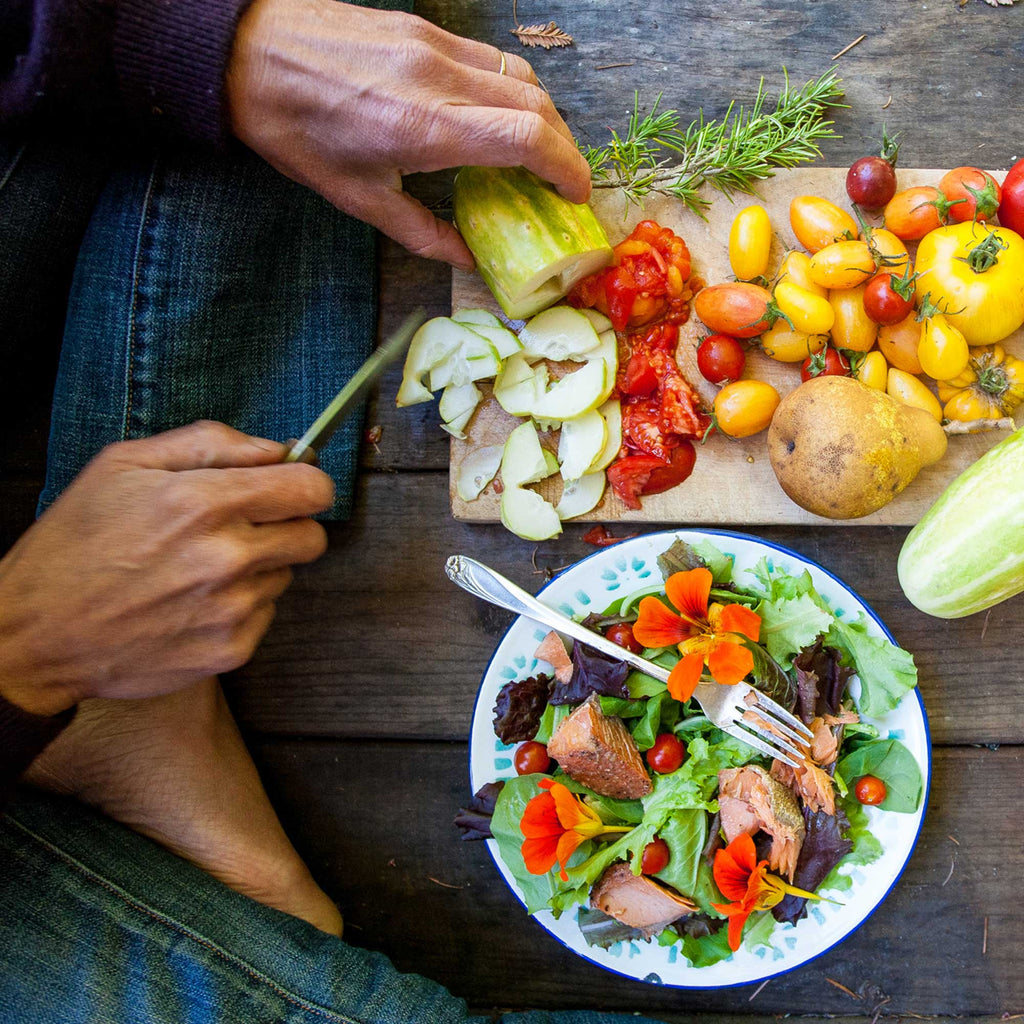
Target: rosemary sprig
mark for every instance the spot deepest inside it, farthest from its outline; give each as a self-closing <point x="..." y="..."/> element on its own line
<point x="731" y="155"/>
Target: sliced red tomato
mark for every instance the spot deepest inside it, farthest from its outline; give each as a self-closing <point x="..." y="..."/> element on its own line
<point x="638" y="377"/>
<point x="635" y="475"/>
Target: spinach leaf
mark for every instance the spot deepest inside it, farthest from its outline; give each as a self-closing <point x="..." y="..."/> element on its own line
<point x="685" y="832"/>
<point x="891" y="762"/>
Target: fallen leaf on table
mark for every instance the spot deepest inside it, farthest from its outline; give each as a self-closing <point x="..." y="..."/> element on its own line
<point x="547" y="36"/>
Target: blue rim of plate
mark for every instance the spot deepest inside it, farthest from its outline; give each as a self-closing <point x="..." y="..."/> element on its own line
<point x="686" y="986"/>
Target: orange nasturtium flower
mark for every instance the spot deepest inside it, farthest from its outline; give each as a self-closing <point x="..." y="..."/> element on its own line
<point x="741" y="878"/>
<point x="704" y="634"/>
<point x="554" y="823"/>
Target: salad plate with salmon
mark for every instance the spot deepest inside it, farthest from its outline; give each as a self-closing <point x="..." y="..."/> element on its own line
<point x="642" y="836"/>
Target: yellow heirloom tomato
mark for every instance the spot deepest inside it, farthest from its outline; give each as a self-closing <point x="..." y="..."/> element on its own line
<point x="975" y="275"/>
<point x="796" y="268"/>
<point x="942" y="349"/>
<point x="750" y="243"/>
<point x="852" y="328"/>
<point x="745" y="407"/>
<point x="807" y="312"/>
<point x="911" y="390"/>
<point x="873" y="371"/>
<point x="843" y="265"/>
<point x="990" y="387"/>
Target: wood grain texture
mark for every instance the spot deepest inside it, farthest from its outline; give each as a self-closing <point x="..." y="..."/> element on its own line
<point x="409" y="887"/>
<point x="378" y="612"/>
<point x="732" y="481"/>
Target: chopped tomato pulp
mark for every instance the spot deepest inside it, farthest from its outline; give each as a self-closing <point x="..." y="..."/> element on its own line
<point x="648" y="280"/>
<point x="646" y="294"/>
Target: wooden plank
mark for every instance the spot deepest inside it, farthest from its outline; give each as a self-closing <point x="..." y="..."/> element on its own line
<point x="374" y="822"/>
<point x="732" y="481"/>
<point x="377" y="611"/>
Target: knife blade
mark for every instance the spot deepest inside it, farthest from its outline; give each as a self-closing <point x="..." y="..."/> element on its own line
<point x="323" y="428"/>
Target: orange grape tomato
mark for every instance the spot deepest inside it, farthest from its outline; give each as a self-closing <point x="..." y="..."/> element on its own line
<point x="737" y="308"/>
<point x="912" y="213"/>
<point x="745" y="407"/>
<point x="898" y="343"/>
<point x="889" y="251"/>
<point x="817" y="222"/>
<point x="852" y="328"/>
<point x="750" y="243"/>
<point x="843" y="265"/>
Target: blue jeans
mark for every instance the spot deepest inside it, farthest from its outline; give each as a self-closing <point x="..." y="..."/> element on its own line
<point x="99" y="925"/>
<point x="202" y="286"/>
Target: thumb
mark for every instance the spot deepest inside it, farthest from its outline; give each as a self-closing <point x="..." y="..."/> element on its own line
<point x="201" y="445"/>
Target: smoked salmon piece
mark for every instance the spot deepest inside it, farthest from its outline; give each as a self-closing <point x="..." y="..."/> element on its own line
<point x="552" y="650"/>
<point x="598" y="751"/>
<point x="638" y="901"/>
<point x="750" y="800"/>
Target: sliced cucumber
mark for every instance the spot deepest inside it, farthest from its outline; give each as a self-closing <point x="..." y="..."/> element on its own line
<point x="558" y="333"/>
<point x="581" y="442"/>
<point x="576" y="393"/>
<point x="477" y="470"/>
<point x="474" y="359"/>
<point x="528" y="515"/>
<point x="523" y="460"/>
<point x="457" y="405"/>
<point x="520" y="386"/>
<point x="612" y="413"/>
<point x="580" y="496"/>
<point x="431" y="345"/>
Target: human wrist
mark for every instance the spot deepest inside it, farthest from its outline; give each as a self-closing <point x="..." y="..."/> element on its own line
<point x="28" y="682"/>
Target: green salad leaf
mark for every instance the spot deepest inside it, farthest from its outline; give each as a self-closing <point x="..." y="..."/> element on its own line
<point x="890" y="761"/>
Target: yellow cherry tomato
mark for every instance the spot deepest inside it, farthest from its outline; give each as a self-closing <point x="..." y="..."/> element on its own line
<point x="873" y="371"/>
<point x="781" y="342"/>
<point x="853" y="329"/>
<point x="911" y="390"/>
<point x="816" y="222"/>
<point x="942" y="349"/>
<point x="808" y="312"/>
<point x="898" y="343"/>
<point x="750" y="243"/>
<point x="889" y="251"/>
<point x="745" y="407"/>
<point x="796" y="268"/>
<point x="843" y="265"/>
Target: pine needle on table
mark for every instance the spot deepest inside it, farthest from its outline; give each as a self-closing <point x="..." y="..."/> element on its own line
<point x="657" y="155"/>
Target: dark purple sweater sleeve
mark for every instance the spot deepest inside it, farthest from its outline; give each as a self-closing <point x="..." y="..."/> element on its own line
<point x="158" y="60"/>
<point x="22" y="738"/>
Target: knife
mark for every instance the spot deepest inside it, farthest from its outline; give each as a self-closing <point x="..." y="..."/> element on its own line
<point x="306" y="448"/>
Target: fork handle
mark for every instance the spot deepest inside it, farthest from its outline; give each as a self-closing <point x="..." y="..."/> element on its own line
<point x="491" y="586"/>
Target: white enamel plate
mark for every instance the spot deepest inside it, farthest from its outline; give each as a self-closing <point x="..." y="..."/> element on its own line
<point x="590" y="586"/>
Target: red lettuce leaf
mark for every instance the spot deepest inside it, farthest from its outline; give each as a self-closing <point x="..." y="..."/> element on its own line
<point x="474" y="821"/>
<point x="592" y="672"/>
<point x="519" y="708"/>
<point x="824" y="847"/>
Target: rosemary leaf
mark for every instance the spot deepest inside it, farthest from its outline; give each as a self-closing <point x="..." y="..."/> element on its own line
<point x="657" y="155"/>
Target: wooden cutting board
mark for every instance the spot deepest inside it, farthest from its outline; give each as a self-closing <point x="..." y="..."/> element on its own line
<point x="732" y="482"/>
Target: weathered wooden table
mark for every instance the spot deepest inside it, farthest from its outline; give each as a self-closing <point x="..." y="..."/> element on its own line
<point x="357" y="706"/>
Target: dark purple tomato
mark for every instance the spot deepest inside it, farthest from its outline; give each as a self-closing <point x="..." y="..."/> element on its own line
<point x="871" y="182"/>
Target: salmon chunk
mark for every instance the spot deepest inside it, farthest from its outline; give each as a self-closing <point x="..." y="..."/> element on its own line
<point x="750" y="800"/>
<point x="598" y="751"/>
<point x="638" y="901"/>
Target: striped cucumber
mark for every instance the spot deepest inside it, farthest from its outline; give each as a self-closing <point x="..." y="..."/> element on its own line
<point x="967" y="552"/>
<point x="531" y="245"/>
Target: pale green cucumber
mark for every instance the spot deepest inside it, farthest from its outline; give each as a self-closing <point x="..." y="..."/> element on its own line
<point x="967" y="552"/>
<point x="531" y="245"/>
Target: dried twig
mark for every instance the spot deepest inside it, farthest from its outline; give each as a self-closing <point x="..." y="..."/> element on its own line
<point x="977" y="426"/>
<point x="885" y="105"/>
<point x="984" y="625"/>
<point x="447" y="885"/>
<point x="953" y="839"/>
<point x="984" y="938"/>
<point x="758" y="989"/>
<point x="952" y="864"/>
<point x="843" y="988"/>
<point x="849" y="46"/>
<point x="622" y="64"/>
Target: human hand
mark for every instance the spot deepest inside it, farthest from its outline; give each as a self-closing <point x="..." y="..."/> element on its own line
<point x="347" y="99"/>
<point x="157" y="567"/>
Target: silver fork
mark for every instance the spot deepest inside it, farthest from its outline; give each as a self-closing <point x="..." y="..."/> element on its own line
<point x="740" y="710"/>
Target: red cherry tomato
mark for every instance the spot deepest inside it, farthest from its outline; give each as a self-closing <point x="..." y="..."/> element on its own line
<point x="869" y="790"/>
<point x="720" y="358"/>
<point x="646" y="474"/>
<point x="667" y="753"/>
<point x="883" y="299"/>
<point x="531" y="757"/>
<point x="622" y="634"/>
<point x="871" y="182"/>
<point x="655" y="857"/>
<point x="829" y="362"/>
<point x="973" y="194"/>
<point x="1011" y="206"/>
